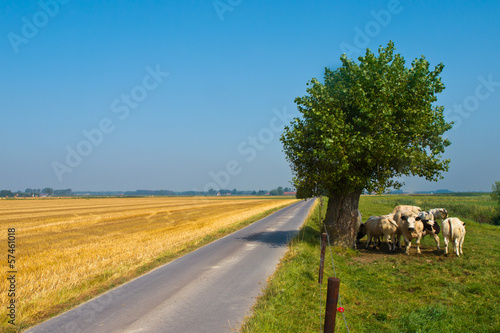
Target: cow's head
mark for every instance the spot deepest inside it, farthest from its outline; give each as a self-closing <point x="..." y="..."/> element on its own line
<point x="361" y="231"/>
<point x="431" y="226"/>
<point x="423" y="216"/>
<point x="409" y="222"/>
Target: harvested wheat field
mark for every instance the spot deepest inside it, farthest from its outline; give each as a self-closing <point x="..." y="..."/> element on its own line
<point x="68" y="250"/>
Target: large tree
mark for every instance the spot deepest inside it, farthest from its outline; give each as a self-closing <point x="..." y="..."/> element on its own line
<point x="365" y="126"/>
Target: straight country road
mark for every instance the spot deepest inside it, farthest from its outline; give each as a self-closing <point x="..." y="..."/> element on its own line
<point x="211" y="289"/>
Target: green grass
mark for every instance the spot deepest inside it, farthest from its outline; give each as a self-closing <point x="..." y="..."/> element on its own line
<point x="388" y="292"/>
<point x="475" y="206"/>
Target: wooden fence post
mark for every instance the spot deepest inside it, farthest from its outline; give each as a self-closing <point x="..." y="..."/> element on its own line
<point x="322" y="260"/>
<point x="331" y="304"/>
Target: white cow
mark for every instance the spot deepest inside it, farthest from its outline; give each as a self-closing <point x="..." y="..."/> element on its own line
<point x="378" y="226"/>
<point x="453" y="231"/>
<point x="411" y="227"/>
<point x="362" y="228"/>
<point x="401" y="208"/>
<point x="433" y="214"/>
<point x="430" y="228"/>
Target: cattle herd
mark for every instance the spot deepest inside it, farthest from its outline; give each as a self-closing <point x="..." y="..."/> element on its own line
<point x="412" y="222"/>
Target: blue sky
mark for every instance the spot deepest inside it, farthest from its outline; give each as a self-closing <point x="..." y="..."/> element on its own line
<point x="188" y="95"/>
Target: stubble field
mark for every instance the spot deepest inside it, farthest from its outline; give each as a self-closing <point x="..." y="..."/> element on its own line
<point x="68" y="250"/>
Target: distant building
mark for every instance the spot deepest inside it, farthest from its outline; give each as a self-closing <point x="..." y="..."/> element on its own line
<point x="290" y="193"/>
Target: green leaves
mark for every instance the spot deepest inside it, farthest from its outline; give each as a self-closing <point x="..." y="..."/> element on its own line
<point x="366" y="124"/>
<point x="495" y="191"/>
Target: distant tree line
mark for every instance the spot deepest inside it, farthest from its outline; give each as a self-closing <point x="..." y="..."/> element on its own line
<point x="224" y="192"/>
<point x="36" y="192"/>
<point x="50" y="192"/>
<point x="234" y="191"/>
<point x="280" y="191"/>
<point x="149" y="192"/>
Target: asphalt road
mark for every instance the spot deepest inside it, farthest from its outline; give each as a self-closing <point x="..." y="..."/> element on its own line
<point x="209" y="290"/>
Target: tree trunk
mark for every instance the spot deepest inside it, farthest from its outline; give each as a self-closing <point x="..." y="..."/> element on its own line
<point x="341" y="218"/>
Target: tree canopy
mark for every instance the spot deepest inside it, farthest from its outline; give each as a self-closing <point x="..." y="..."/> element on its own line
<point x="366" y="125"/>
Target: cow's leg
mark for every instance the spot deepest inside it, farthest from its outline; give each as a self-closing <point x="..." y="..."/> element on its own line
<point x="369" y="239"/>
<point x="418" y="244"/>
<point x="436" y="239"/>
<point x="388" y="241"/>
<point x="397" y="241"/>
<point x="407" y="246"/>
<point x="456" y="247"/>
<point x="393" y="241"/>
<point x="445" y="246"/>
<point x="461" y="242"/>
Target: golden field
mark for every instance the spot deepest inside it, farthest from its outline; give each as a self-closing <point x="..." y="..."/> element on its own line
<point x="68" y="250"/>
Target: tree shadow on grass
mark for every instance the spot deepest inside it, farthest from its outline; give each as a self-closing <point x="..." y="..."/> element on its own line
<point x="309" y="235"/>
<point x="383" y="249"/>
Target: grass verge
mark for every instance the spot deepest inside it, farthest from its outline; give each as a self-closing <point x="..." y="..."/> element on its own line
<point x="479" y="207"/>
<point x="386" y="292"/>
